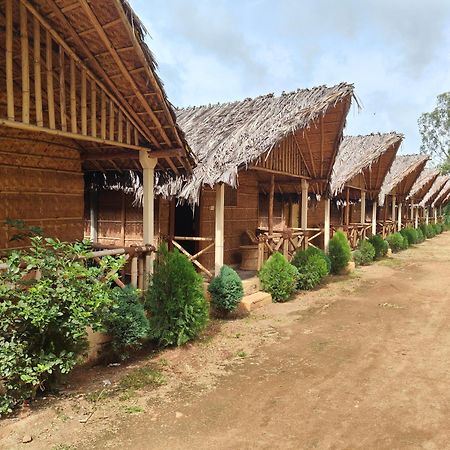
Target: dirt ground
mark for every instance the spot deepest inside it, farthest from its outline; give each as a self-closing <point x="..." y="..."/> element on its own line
<point x="361" y="363"/>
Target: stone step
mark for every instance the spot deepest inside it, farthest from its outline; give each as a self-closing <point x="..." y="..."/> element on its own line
<point x="251" y="285"/>
<point x="254" y="301"/>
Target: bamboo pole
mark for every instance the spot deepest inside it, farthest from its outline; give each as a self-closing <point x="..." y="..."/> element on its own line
<point x="93" y="108"/>
<point x="9" y="59"/>
<point x="363" y="207"/>
<point x="103" y="116"/>
<point x="120" y="126"/>
<point x="270" y="212"/>
<point x="73" y="97"/>
<point x="50" y="86"/>
<point x="374" y="218"/>
<point x="347" y="207"/>
<point x="37" y="71"/>
<point x="25" y="64"/>
<point x="83" y="103"/>
<point x="219" y="228"/>
<point x="326" y="229"/>
<point x="111" y="121"/>
<point x="62" y="90"/>
<point x="134" y="271"/>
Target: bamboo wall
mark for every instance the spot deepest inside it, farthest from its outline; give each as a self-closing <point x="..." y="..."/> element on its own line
<point x="41" y="184"/>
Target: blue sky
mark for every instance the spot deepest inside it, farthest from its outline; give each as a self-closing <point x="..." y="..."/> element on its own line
<point x="397" y="53"/>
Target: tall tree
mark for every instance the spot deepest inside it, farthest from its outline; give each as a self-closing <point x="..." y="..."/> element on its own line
<point x="434" y="128"/>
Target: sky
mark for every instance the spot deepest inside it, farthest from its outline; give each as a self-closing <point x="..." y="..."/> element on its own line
<point x="395" y="52"/>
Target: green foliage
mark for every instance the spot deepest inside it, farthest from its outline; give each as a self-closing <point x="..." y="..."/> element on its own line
<point x="396" y="242"/>
<point x="438" y="228"/>
<point x="434" y="129"/>
<point x="339" y="252"/>
<point x="430" y="231"/>
<point x="365" y="254"/>
<point x="424" y="229"/>
<point x="380" y="246"/>
<point x="55" y="307"/>
<point x="278" y="277"/>
<point x="301" y="256"/>
<point x="175" y="300"/>
<point x="420" y="236"/>
<point x="226" y="290"/>
<point x="410" y="234"/>
<point x="312" y="268"/>
<point x="125" y="320"/>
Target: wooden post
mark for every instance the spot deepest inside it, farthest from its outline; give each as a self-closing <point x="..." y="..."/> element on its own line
<point x="9" y="59"/>
<point x="122" y="222"/>
<point x="399" y="217"/>
<point x="416" y="220"/>
<point x="326" y="229"/>
<point x="93" y="215"/>
<point x="219" y="228"/>
<point x="25" y="64"/>
<point x="148" y="173"/>
<point x="270" y="212"/>
<point x="374" y="218"/>
<point x="347" y="207"/>
<point x="37" y="72"/>
<point x="412" y="209"/>
<point x="393" y="208"/>
<point x="172" y="222"/>
<point x="435" y="214"/>
<point x="50" y="86"/>
<point x="134" y="272"/>
<point x="363" y="207"/>
<point x="427" y="215"/>
<point x="304" y="212"/>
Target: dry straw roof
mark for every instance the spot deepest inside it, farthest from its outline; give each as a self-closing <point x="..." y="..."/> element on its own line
<point x="423" y="184"/>
<point x="442" y="194"/>
<point x="228" y="137"/>
<point x="434" y="190"/>
<point x="404" y="168"/>
<point x="358" y="153"/>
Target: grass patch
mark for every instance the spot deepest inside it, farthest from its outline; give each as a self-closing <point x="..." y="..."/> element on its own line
<point x="140" y="378"/>
<point x="133" y="410"/>
<point x="242" y="354"/>
<point x="64" y="447"/>
<point x="390" y="262"/>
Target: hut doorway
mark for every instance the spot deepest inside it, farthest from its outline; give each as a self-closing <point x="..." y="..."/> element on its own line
<point x="186" y="225"/>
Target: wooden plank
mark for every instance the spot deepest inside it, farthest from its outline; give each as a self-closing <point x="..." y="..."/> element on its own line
<point x="120" y="126"/>
<point x="111" y="121"/>
<point x="93" y="108"/>
<point x="37" y="71"/>
<point x="73" y="97"/>
<point x="62" y="91"/>
<point x="25" y="64"/>
<point x="50" y="86"/>
<point x="9" y="59"/>
<point x="103" y="116"/>
<point x="83" y="102"/>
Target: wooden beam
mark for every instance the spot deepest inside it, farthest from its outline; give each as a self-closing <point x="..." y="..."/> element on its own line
<point x="271" y="197"/>
<point x="50" y="86"/>
<point x="126" y="155"/>
<point x="62" y="91"/>
<point x="347" y="207"/>
<point x="9" y="59"/>
<point x="103" y="115"/>
<point x="37" y="72"/>
<point x="278" y="172"/>
<point x="310" y="154"/>
<point x="73" y="97"/>
<point x="93" y="108"/>
<point x="25" y="64"/>
<point x="83" y="102"/>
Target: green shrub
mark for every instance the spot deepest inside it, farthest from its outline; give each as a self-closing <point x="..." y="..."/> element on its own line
<point x="430" y="231"/>
<point x="405" y="242"/>
<point x="311" y="271"/>
<point x="410" y="234"/>
<point x="420" y="236"/>
<point x="380" y="246"/>
<point x="438" y="227"/>
<point x="278" y="277"/>
<point x="424" y="229"/>
<point x="226" y="290"/>
<point x="175" y="300"/>
<point x="54" y="310"/>
<point x="365" y="253"/>
<point x="125" y="320"/>
<point x="301" y="256"/>
<point x="339" y="252"/>
<point x="396" y="242"/>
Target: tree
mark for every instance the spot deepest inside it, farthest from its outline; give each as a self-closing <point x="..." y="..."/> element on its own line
<point x="434" y="129"/>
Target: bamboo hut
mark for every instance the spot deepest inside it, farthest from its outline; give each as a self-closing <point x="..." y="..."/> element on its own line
<point x="439" y="201"/>
<point x="261" y="162"/>
<point x="431" y="196"/>
<point x="80" y="94"/>
<point x="361" y="165"/>
<point x="418" y="192"/>
<point x="394" y="192"/>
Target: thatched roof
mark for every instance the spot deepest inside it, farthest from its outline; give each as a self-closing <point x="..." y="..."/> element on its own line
<point x="423" y="184"/>
<point x="109" y="38"/>
<point x="231" y="136"/>
<point x="434" y="190"/>
<point x="403" y="174"/>
<point x="443" y="193"/>
<point x="372" y="154"/>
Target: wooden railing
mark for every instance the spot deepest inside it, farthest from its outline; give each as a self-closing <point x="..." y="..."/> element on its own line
<point x="176" y="242"/>
<point x="355" y="232"/>
<point x="386" y="228"/>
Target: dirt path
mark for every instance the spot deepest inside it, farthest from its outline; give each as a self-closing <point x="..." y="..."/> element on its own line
<point x="362" y="363"/>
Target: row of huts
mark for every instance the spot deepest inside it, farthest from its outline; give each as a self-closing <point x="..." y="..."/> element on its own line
<point x="91" y="146"/>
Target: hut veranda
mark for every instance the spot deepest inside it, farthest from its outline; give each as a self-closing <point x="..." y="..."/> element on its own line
<point x="79" y="95"/>
<point x="361" y="166"/>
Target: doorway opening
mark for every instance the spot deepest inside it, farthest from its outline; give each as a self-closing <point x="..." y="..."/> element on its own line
<point x="186" y="225"/>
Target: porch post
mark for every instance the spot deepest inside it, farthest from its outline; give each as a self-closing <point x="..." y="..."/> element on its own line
<point x="326" y="229"/>
<point x="427" y="219"/>
<point x="93" y="215"/>
<point x="363" y="207"/>
<point x="393" y="208"/>
<point x="304" y="221"/>
<point x="412" y="209"/>
<point x="148" y="174"/>
<point x="435" y="215"/>
<point x="347" y="207"/>
<point x="270" y="212"/>
<point x="220" y="227"/>
<point x="399" y="218"/>
<point x="416" y="220"/>
<point x="374" y="218"/>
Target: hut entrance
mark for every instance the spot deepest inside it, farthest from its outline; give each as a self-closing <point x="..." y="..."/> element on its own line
<point x="186" y="225"/>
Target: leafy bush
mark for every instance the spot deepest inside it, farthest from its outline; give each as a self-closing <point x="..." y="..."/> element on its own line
<point x="311" y="271"/>
<point x="396" y="242"/>
<point x="380" y="246"/>
<point x="125" y="320"/>
<point x="420" y="236"/>
<point x="339" y="252"/>
<point x="56" y="296"/>
<point x="301" y="257"/>
<point x="175" y="300"/>
<point x="424" y="229"/>
<point x="438" y="228"/>
<point x="365" y="253"/>
<point x="278" y="277"/>
<point x="226" y="290"/>
<point x="430" y="230"/>
<point x="410" y="234"/>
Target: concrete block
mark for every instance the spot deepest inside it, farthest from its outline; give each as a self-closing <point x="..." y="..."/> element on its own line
<point x="254" y="301"/>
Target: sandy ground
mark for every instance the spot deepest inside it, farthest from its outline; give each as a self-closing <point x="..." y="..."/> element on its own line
<point x="361" y="363"/>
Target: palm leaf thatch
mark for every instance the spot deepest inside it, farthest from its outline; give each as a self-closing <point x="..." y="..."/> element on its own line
<point x="403" y="174"/>
<point x="434" y="190"/>
<point x="442" y="194"/>
<point x="361" y="154"/>
<point x="229" y="137"/>
<point x="423" y="184"/>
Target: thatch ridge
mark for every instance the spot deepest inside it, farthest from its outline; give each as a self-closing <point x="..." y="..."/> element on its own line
<point x="230" y="136"/>
<point x="427" y="176"/>
<point x="434" y="190"/>
<point x="357" y="153"/>
<point x="442" y="194"/>
<point x="402" y="166"/>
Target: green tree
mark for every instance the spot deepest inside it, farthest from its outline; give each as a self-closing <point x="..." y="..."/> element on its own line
<point x="434" y="129"/>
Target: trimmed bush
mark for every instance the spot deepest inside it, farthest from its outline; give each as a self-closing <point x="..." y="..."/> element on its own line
<point x="365" y="253"/>
<point x="312" y="271"/>
<point x="431" y="232"/>
<point x="175" y="300"/>
<point x="125" y="320"/>
<point x="226" y="290"/>
<point x="420" y="236"/>
<point x="438" y="228"/>
<point x="339" y="252"/>
<point x="380" y="246"/>
<point x="278" y="277"/>
<point x="410" y="234"/>
<point x="301" y="256"/>
<point x="424" y="229"/>
<point x="396" y="242"/>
